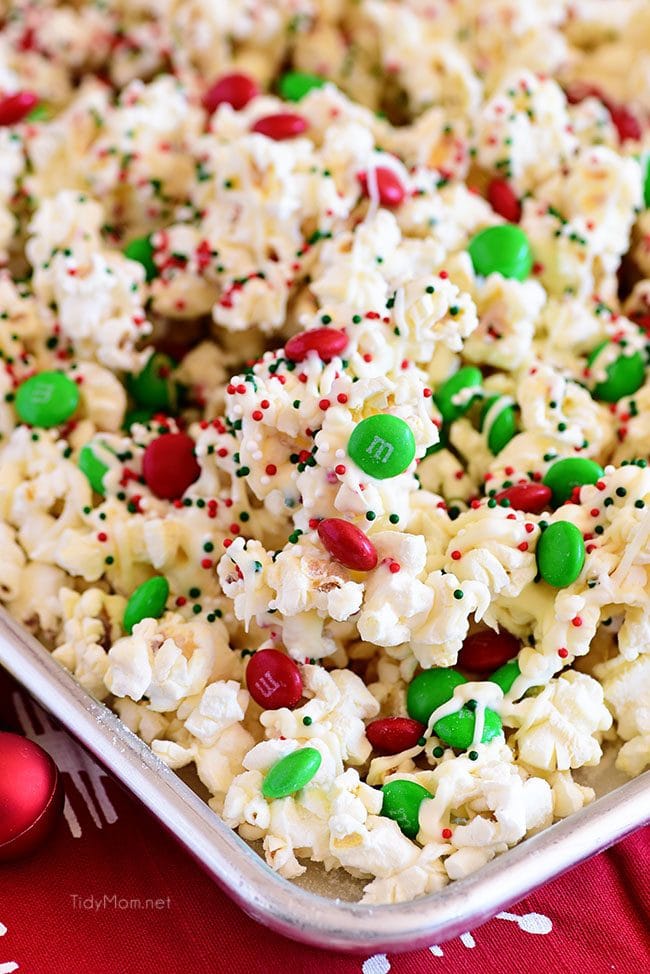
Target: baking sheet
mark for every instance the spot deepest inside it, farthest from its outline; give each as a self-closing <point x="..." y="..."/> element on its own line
<point x="316" y="910"/>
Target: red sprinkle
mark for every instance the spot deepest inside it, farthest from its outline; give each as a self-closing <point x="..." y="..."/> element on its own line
<point x="487" y="650"/>
<point x="446" y="833"/>
<point x="14" y="108"/>
<point x="273" y="680"/>
<point x="503" y="200"/>
<point x="347" y="544"/>
<point x="390" y="735"/>
<point x="563" y="653"/>
<point x="271" y="469"/>
<point x="326" y="342"/>
<point x="389" y="188"/>
<point x="531" y="498"/>
<point x="232" y="89"/>
<point x="169" y="465"/>
<point x="283" y="125"/>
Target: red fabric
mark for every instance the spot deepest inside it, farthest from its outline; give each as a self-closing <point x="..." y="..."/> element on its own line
<point x="593" y="920"/>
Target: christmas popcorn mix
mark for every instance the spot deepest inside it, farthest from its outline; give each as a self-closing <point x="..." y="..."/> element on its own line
<point x="323" y="405"/>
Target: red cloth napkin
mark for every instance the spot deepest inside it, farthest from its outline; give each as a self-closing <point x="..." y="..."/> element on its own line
<point x="79" y="905"/>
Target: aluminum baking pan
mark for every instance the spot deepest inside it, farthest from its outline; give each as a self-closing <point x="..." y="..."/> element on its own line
<point x="285" y="907"/>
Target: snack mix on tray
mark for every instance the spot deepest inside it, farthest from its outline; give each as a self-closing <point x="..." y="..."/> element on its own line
<point x="325" y="404"/>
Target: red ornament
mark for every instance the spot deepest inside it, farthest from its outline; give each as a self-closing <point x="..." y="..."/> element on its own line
<point x="284" y="125"/>
<point x="232" y="89"/>
<point x="347" y="544"/>
<point x="487" y="650"/>
<point x="273" y="680"/>
<point x="31" y="796"/>
<point x="169" y="465"/>
<point x="389" y="188"/>
<point x="531" y="498"/>
<point x="390" y="735"/>
<point x="503" y="200"/>
<point x="326" y="342"/>
<point x="14" y="108"/>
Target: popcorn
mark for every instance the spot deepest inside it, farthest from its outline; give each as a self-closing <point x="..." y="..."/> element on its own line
<point x="625" y="685"/>
<point x="523" y="131"/>
<point x="91" y="622"/>
<point x="558" y="728"/>
<point x="165" y="662"/>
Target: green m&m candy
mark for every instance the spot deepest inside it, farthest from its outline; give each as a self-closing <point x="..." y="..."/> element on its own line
<point x="500" y="424"/>
<point x="457" y="729"/>
<point x="504" y="249"/>
<point x="382" y="445"/>
<point x="147" y="602"/>
<point x="429" y="690"/>
<point x="94" y="468"/>
<point x="571" y="472"/>
<point x="47" y="399"/>
<point x="291" y="773"/>
<point x="142" y="250"/>
<point x="560" y="554"/>
<point x="294" y="85"/>
<point x="462" y="382"/>
<point x="401" y="802"/>
<point x="624" y="376"/>
<point x="644" y="162"/>
<point x="154" y="387"/>
<point x="506" y="675"/>
<point x="40" y="113"/>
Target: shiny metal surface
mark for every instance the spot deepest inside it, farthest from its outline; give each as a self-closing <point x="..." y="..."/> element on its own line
<point x="264" y="895"/>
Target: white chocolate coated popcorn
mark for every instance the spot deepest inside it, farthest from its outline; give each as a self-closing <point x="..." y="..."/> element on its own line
<point x="300" y="267"/>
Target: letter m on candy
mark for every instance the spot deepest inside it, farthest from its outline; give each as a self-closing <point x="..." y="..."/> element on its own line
<point x="378" y="447"/>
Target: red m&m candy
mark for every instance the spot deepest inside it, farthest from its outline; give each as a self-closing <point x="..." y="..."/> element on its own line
<point x="390" y="735"/>
<point x="232" y="89"/>
<point x="326" y="342"/>
<point x="389" y="188"/>
<point x="284" y="125"/>
<point x="503" y="200"/>
<point x="14" y="108"/>
<point x="31" y="796"/>
<point x="273" y="680"/>
<point x="625" y="122"/>
<point x="347" y="544"/>
<point x="531" y="498"/>
<point x="487" y="650"/>
<point x="169" y="465"/>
